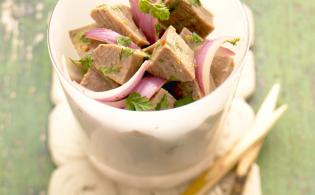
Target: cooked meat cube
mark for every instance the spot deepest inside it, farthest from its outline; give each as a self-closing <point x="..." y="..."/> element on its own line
<point x="163" y="100"/>
<point x="83" y="45"/>
<point x="75" y="72"/>
<point x="190" y="14"/>
<point x="172" y="59"/>
<point x="119" y="63"/>
<point x="190" y="88"/>
<point x="151" y="48"/>
<point x="193" y="40"/>
<point x="95" y="81"/>
<point x="119" y="19"/>
<point x="222" y="67"/>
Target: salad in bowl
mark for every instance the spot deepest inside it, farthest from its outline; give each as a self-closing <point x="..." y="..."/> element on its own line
<point x="150" y="56"/>
<point x="149" y="81"/>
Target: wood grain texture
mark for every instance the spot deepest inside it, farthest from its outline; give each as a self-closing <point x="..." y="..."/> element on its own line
<point x="284" y="52"/>
<point x="25" y="72"/>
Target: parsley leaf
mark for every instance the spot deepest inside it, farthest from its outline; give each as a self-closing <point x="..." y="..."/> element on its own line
<point x="147" y="56"/>
<point x="195" y="2"/>
<point x="102" y="6"/>
<point x="163" y="104"/>
<point x="123" y="41"/>
<point x="126" y="52"/>
<point x="158" y="29"/>
<point x="84" y="63"/>
<point x="234" y="41"/>
<point x="184" y="101"/>
<point x="138" y="103"/>
<point x="145" y="6"/>
<point x="87" y="61"/>
<point x="178" y="46"/>
<point x="112" y="69"/>
<point x="82" y="38"/>
<point x="158" y="10"/>
<point x="196" y="38"/>
<point x="172" y="78"/>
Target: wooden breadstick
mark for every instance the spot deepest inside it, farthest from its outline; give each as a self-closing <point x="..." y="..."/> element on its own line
<point x="224" y="164"/>
<point x="247" y="161"/>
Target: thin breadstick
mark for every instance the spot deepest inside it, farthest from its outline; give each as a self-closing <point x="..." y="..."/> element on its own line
<point x="244" y="166"/>
<point x="267" y="107"/>
<point x="224" y="164"/>
<point x="247" y="161"/>
<point x="264" y="111"/>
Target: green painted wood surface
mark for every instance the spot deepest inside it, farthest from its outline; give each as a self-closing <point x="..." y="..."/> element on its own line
<point x="284" y="52"/>
<point x="25" y="165"/>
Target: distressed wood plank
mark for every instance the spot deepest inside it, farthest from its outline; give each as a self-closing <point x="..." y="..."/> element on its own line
<point x="25" y="74"/>
<point x="284" y="52"/>
<point x="287" y="159"/>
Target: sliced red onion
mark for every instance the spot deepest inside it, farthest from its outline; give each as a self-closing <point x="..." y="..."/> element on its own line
<point x="119" y="92"/>
<point x="144" y="21"/>
<point x="204" y="57"/>
<point x="149" y="86"/>
<point x="136" y="13"/>
<point x="107" y="36"/>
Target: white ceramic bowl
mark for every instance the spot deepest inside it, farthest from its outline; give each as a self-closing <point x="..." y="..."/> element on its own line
<point x="148" y="149"/>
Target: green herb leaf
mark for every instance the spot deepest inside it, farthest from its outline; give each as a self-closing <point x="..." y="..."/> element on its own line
<point x="84" y="63"/>
<point x="158" y="10"/>
<point x="102" y="6"/>
<point x="82" y="38"/>
<point x="184" y="101"/>
<point x="147" y="56"/>
<point x="172" y="46"/>
<point x="138" y="103"/>
<point x="112" y="69"/>
<point x="172" y="78"/>
<point x="163" y="104"/>
<point x="195" y="2"/>
<point x="234" y="41"/>
<point x="196" y="38"/>
<point x="161" y="60"/>
<point x="116" y="8"/>
<point x="124" y="41"/>
<point x="145" y="6"/>
<point x="178" y="46"/>
<point x="126" y="52"/>
<point x="158" y="45"/>
<point x="87" y="61"/>
<point x="158" y="29"/>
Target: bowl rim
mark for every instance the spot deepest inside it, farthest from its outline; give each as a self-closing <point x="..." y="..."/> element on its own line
<point x="188" y="107"/>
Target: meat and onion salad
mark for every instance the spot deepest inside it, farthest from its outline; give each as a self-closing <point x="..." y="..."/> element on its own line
<point x="150" y="56"/>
